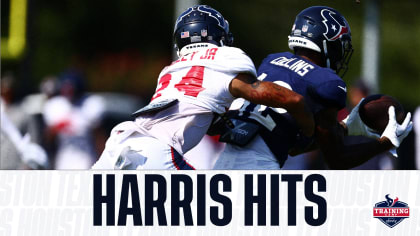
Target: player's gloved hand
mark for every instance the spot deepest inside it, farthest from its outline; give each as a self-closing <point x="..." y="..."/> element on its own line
<point x="129" y="159"/>
<point x="33" y="154"/>
<point x="221" y="123"/>
<point x="355" y="125"/>
<point x="394" y="131"/>
<point x="393" y="152"/>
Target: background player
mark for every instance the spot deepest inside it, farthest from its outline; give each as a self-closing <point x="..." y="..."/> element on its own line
<point x="205" y="80"/>
<point x="321" y="40"/>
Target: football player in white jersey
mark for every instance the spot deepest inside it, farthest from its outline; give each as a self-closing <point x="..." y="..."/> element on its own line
<point x="204" y="81"/>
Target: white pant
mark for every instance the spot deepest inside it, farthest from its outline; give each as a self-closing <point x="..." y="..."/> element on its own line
<point x="254" y="156"/>
<point x="126" y="149"/>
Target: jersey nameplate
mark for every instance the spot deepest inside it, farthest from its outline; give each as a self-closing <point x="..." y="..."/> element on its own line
<point x="294" y="64"/>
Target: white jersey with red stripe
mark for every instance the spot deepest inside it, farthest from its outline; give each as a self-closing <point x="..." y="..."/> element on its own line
<point x="200" y="81"/>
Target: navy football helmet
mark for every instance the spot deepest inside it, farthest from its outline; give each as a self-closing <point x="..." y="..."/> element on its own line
<point x="325" y="30"/>
<point x="201" y="23"/>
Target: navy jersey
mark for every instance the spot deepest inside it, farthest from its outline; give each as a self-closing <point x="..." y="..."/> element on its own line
<point x="321" y="88"/>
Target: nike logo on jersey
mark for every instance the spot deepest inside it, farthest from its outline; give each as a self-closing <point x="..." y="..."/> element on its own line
<point x="343" y="88"/>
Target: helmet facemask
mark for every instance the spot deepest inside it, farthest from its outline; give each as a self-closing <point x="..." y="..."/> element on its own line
<point x="337" y="54"/>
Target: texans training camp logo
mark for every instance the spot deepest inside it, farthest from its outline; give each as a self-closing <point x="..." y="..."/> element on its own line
<point x="391" y="212"/>
<point x="335" y="28"/>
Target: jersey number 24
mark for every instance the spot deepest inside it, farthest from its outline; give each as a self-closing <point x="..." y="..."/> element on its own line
<point x="191" y="83"/>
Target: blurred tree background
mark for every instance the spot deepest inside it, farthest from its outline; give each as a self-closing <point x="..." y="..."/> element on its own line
<point x="122" y="45"/>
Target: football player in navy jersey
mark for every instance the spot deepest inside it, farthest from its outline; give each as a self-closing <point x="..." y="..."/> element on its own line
<point x="263" y="136"/>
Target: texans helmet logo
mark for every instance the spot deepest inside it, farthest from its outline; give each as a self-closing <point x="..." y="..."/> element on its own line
<point x="389" y="200"/>
<point x="210" y="11"/>
<point x="213" y="13"/>
<point x="182" y="16"/>
<point x="335" y="26"/>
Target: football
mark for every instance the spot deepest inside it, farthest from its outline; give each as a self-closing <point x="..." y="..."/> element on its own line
<point x="374" y="111"/>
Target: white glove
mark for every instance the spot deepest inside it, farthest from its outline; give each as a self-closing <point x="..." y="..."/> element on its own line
<point x="395" y="132"/>
<point x="129" y="159"/>
<point x="33" y="154"/>
<point x="393" y="152"/>
<point x="355" y="125"/>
